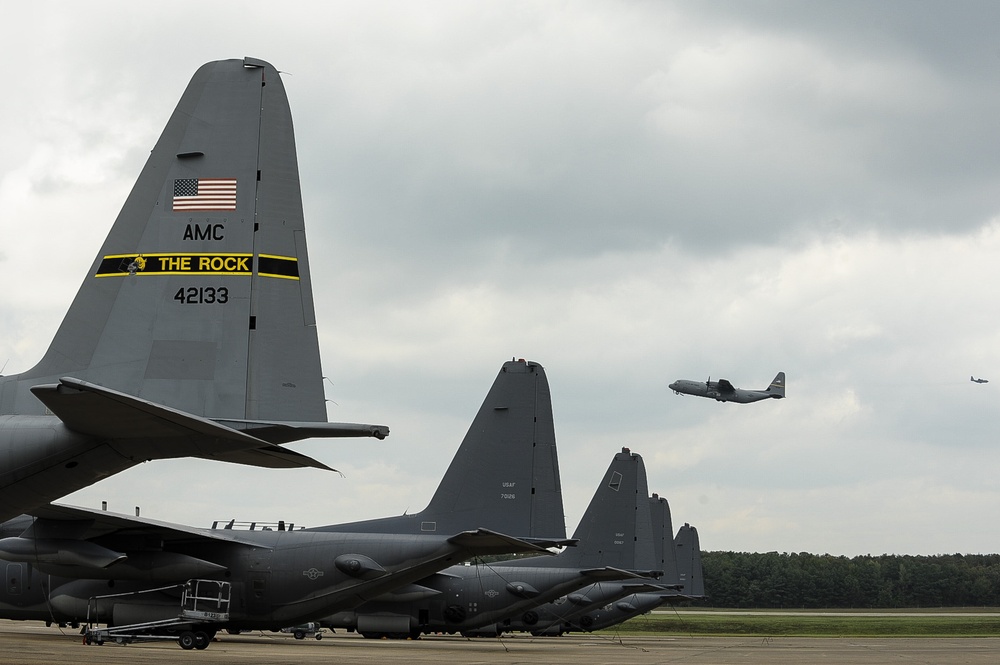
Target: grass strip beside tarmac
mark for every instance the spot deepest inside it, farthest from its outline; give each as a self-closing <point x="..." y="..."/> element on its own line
<point x="773" y="625"/>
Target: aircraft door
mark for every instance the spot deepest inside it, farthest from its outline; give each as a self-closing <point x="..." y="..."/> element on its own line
<point x="15" y="578"/>
<point x="254" y="594"/>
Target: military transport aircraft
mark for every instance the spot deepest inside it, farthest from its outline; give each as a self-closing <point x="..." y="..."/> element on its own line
<point x="193" y="334"/>
<point x="578" y="611"/>
<point x="505" y="473"/>
<point x="625" y="608"/>
<point x="975" y="380"/>
<point x="67" y="564"/>
<point x="723" y="391"/>
<point x="614" y="539"/>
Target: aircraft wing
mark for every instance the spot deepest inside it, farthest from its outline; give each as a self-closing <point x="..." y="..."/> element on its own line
<point x="85" y="523"/>
<point x="68" y="539"/>
<point x="464" y="545"/>
<point x="725" y="386"/>
<point x="72" y="542"/>
<point x="148" y="430"/>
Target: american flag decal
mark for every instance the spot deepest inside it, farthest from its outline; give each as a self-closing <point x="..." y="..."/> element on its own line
<point x="204" y="194"/>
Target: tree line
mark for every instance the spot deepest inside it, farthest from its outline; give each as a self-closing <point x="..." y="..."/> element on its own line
<point x="773" y="580"/>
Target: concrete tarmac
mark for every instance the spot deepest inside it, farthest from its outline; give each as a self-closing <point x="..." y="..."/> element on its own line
<point x="28" y="643"/>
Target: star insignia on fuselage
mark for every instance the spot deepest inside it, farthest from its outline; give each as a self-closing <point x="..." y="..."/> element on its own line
<point x="313" y="573"/>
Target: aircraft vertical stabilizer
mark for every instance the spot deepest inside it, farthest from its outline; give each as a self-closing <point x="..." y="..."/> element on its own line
<point x="777" y="387"/>
<point x="193" y="333"/>
<point x="505" y="475"/>
<point x="616" y="529"/>
<point x="689" y="561"/>
<point x="200" y="298"/>
<point x="663" y="538"/>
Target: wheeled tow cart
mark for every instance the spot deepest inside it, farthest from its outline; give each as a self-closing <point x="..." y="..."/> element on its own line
<point x="203" y="603"/>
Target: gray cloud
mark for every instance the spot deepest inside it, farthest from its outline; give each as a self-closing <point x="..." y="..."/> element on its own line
<point x="629" y="193"/>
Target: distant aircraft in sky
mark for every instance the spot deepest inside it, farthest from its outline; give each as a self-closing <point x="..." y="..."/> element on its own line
<point x="975" y="380"/>
<point x="724" y="391"/>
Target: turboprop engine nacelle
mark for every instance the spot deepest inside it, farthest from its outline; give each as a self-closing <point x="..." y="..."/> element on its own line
<point x="359" y="566"/>
<point x="58" y="551"/>
<point x="66" y="557"/>
<point x="143" y="566"/>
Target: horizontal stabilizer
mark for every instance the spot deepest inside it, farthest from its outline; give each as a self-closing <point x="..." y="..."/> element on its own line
<point x="484" y="541"/>
<point x="609" y="573"/>
<point x="285" y="432"/>
<point x="101" y="412"/>
<point x="153" y="431"/>
<point x="669" y="587"/>
<point x="676" y="598"/>
<point x="271" y="457"/>
<point x="645" y="587"/>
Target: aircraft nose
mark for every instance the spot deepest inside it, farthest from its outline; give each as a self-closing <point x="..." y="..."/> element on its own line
<point x="673" y="386"/>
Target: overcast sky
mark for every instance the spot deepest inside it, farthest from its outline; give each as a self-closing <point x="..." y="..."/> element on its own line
<point x="626" y="192"/>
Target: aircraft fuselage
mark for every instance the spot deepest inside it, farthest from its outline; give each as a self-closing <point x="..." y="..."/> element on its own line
<point x="278" y="578"/>
<point x="44" y="460"/>
<point x="711" y="389"/>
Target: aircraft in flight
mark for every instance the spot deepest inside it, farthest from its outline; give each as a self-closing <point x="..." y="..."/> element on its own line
<point x="193" y="333"/>
<point x="975" y="380"/>
<point x="723" y="391"/>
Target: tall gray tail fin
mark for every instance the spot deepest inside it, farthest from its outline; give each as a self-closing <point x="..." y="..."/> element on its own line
<point x="505" y="475"/>
<point x="663" y="538"/>
<point x="616" y="530"/>
<point x="777" y="387"/>
<point x="689" y="561"/>
<point x="200" y="298"/>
